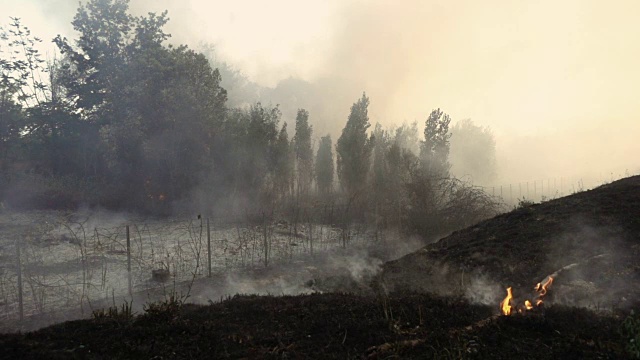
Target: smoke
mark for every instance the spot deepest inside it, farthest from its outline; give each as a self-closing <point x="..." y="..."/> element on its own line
<point x="585" y="256"/>
<point x="558" y="104"/>
<point x="482" y="290"/>
<point x="342" y="270"/>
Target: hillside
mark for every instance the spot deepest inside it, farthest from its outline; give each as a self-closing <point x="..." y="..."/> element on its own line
<point x="441" y="301"/>
<point x="590" y="240"/>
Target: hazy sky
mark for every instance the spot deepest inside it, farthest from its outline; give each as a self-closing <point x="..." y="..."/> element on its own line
<point x="557" y="81"/>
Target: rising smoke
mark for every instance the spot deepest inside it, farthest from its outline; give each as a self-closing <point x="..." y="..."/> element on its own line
<point x="558" y="104"/>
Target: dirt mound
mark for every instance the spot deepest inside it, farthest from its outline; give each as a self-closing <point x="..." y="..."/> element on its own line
<point x="589" y="240"/>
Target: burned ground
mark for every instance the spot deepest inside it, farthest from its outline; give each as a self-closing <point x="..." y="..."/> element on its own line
<point x="438" y="302"/>
<point x="594" y="235"/>
<point x="328" y="326"/>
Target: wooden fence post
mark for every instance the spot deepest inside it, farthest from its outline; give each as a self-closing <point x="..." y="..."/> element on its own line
<point x="209" y="246"/>
<point x="266" y="244"/>
<point x="129" y="262"/>
<point x="20" y="300"/>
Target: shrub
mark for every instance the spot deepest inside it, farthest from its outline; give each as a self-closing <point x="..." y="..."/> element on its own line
<point x="630" y="331"/>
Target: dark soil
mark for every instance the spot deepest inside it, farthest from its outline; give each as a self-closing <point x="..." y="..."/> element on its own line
<point x="597" y="230"/>
<point x="327" y="326"/>
<point x="418" y="310"/>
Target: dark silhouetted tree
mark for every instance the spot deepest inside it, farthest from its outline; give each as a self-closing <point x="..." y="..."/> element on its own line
<point x="354" y="149"/>
<point x="303" y="152"/>
<point x="379" y="173"/>
<point x="283" y="164"/>
<point x="434" y="151"/>
<point x="324" y="166"/>
<point x="157" y="108"/>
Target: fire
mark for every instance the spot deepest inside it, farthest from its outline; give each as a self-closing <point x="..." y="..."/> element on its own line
<point x="505" y="304"/>
<point x="528" y="305"/>
<point x="540" y="288"/>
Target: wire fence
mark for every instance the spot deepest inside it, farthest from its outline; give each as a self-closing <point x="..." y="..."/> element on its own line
<point x="68" y="263"/>
<point x="543" y="189"/>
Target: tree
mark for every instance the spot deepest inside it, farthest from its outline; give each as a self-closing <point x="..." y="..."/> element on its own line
<point x="283" y="165"/>
<point x="406" y="137"/>
<point x="180" y="110"/>
<point x="324" y="166"/>
<point x="20" y="85"/>
<point x="157" y="109"/>
<point x="11" y="119"/>
<point x="434" y="151"/>
<point x="354" y="149"/>
<point x="97" y="61"/>
<point x="303" y="152"/>
<point x="21" y="65"/>
<point x="251" y="160"/>
<point x="380" y="174"/>
<point x="107" y="77"/>
<point x="473" y="152"/>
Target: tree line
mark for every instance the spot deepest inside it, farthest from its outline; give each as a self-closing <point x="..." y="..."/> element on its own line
<point x="120" y="119"/>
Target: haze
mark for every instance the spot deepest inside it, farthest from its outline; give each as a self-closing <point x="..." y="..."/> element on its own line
<point x="556" y="81"/>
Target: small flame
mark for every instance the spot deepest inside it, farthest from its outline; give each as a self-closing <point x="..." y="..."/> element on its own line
<point x="528" y="305"/>
<point x="540" y="288"/>
<point x="543" y="289"/>
<point x="505" y="304"/>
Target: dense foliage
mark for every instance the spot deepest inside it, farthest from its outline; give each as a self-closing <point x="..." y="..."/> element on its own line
<point x="127" y="121"/>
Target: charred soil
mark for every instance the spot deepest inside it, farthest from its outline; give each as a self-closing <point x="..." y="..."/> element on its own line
<point x="328" y="326"/>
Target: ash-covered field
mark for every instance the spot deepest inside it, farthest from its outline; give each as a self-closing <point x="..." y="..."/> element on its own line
<point x="73" y="263"/>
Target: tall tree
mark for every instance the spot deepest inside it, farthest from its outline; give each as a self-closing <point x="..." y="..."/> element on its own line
<point x="434" y="151"/>
<point x="283" y="164"/>
<point x="20" y="85"/>
<point x="407" y="138"/>
<point x="157" y="108"/>
<point x="354" y="149"/>
<point x="99" y="55"/>
<point x="324" y="165"/>
<point x="106" y="75"/>
<point x="303" y="152"/>
<point x="258" y="147"/>
<point x="11" y="118"/>
<point x="381" y="143"/>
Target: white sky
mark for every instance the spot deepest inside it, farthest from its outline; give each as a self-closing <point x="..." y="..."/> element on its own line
<point x="557" y="81"/>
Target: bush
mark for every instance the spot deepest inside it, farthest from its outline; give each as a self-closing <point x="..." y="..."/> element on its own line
<point x="524" y="203"/>
<point x="630" y="331"/>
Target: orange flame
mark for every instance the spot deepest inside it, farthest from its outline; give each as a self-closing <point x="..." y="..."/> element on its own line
<point x="540" y="288"/>
<point x="528" y="305"/>
<point x="543" y="289"/>
<point x="505" y="304"/>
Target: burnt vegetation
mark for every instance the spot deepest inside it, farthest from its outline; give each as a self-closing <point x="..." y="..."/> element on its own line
<point x="124" y="121"/>
<point x="401" y="315"/>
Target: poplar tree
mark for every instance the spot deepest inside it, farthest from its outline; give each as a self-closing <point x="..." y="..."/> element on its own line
<point x="354" y="149"/>
<point x="303" y="152"/>
<point x="324" y="165"/>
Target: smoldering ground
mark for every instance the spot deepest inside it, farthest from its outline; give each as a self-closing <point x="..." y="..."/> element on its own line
<point x="63" y="255"/>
